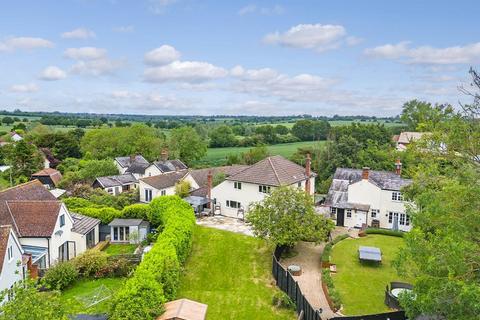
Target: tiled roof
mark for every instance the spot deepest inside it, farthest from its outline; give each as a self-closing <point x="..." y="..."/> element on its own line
<point x="34" y="218"/>
<point x="272" y="171"/>
<point x="201" y="176"/>
<point x="170" y="165"/>
<point x="55" y="175"/>
<point x="165" y="180"/>
<point x="407" y="137"/>
<point x="83" y="224"/>
<point x="116" y="181"/>
<point x="4" y="235"/>
<point x="137" y="167"/>
<point x="125" y="161"/>
<point x="343" y="177"/>
<point x="32" y="190"/>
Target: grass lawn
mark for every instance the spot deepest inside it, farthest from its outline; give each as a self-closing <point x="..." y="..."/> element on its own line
<point x="231" y="274"/>
<point x="217" y="156"/>
<point x="72" y="297"/>
<point x="362" y="286"/>
<point x="114" y="249"/>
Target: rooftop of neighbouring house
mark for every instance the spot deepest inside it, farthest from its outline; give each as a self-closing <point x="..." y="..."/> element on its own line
<point x="126" y="162"/>
<point x="201" y="176"/>
<point x="165" y="180"/>
<point x="116" y="181"/>
<point x="272" y="171"/>
<point x="117" y="222"/>
<point x="409" y="136"/>
<point x="170" y="165"/>
<point x="54" y="174"/>
<point x="343" y="177"/>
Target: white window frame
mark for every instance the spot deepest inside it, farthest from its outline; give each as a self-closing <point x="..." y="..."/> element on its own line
<point x="10" y="253"/>
<point x="61" y="220"/>
<point x="110" y="190"/>
<point x="237" y="185"/>
<point x="163" y="192"/>
<point x="397" y="196"/>
<point x="374" y="213"/>
<point x="333" y="210"/>
<point x="263" y="188"/>
<point x="233" y="204"/>
<point x="348" y="213"/>
<point x="148" y="195"/>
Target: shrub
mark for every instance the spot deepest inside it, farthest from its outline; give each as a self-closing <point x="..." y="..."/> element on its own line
<point x="156" y="279"/>
<point x="60" y="275"/>
<point x="282" y="300"/>
<point x="327" y="250"/>
<point x="90" y="262"/>
<point x="385" y="232"/>
<point x="136" y="211"/>
<point x="106" y="215"/>
<point x="332" y="292"/>
<point x="74" y="203"/>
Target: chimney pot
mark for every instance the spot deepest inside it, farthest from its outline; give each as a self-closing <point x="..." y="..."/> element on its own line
<point x="398" y="167"/>
<point x="365" y="173"/>
<point x="164" y="155"/>
<point x="132" y="158"/>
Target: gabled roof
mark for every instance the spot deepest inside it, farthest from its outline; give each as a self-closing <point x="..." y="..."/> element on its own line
<point x="30" y="209"/>
<point x="54" y="174"/>
<point x="125" y="162"/>
<point x="33" y="218"/>
<point x="83" y="224"/>
<point x="170" y="165"/>
<point x="343" y="177"/>
<point x="117" y="181"/>
<point x="4" y="236"/>
<point x="272" y="171"/>
<point x="407" y="137"/>
<point x="165" y="180"/>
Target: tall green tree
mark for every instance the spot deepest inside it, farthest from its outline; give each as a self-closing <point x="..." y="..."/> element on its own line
<point x="222" y="136"/>
<point x="24" y="159"/>
<point x="185" y="143"/>
<point x="287" y="216"/>
<point x="423" y="116"/>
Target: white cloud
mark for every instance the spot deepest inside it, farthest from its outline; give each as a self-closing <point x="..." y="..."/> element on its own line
<point x="162" y="55"/>
<point x="85" y="53"/>
<point x="467" y="54"/>
<point x="52" y="73"/>
<point x="184" y="71"/>
<point x="24" y="88"/>
<point x="252" y="8"/>
<point x="25" y="43"/>
<point x="79" y="33"/>
<point x="124" y="29"/>
<point x="159" y="6"/>
<point x="124" y="94"/>
<point x="97" y="67"/>
<point x="318" y="37"/>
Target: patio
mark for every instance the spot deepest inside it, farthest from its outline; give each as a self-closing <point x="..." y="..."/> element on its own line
<point x="226" y="223"/>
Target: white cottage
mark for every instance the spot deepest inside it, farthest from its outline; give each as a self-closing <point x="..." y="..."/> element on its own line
<point x="364" y="197"/>
<point x="164" y="184"/>
<point x="11" y="252"/>
<point x="233" y="196"/>
<point x="134" y="164"/>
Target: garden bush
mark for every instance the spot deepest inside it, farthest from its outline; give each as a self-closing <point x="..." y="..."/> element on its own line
<point x="385" y="232"/>
<point x="136" y="211"/>
<point x="90" y="262"/>
<point x="328" y="247"/>
<point x="60" y="275"/>
<point x="157" y="277"/>
<point x="282" y="300"/>
<point x="74" y="203"/>
<point x="332" y="292"/>
<point x="106" y="215"/>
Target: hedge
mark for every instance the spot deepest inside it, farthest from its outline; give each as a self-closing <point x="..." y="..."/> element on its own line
<point x="328" y="247"/>
<point x="332" y="292"/>
<point x="156" y="279"/>
<point x="136" y="211"/>
<point x="106" y="215"/>
<point x="385" y="232"/>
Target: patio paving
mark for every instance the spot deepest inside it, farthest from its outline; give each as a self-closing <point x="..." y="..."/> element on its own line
<point x="226" y="223"/>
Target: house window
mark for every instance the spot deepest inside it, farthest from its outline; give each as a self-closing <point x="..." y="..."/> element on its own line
<point x="264" y="189"/>
<point x="90" y="238"/>
<point x="407" y="220"/>
<point x="62" y="220"/>
<point x="10" y="253"/>
<point x="402" y="219"/>
<point x="349" y="213"/>
<point x="63" y="252"/>
<point x="374" y="213"/>
<point x="390" y="217"/>
<point x="148" y="195"/>
<point x="299" y="184"/>
<point x="115" y="233"/>
<point x="163" y="192"/>
<point x="121" y="233"/>
<point x="110" y="190"/>
<point x="237" y="185"/>
<point x="233" y="204"/>
<point x="333" y="210"/>
<point x="397" y="196"/>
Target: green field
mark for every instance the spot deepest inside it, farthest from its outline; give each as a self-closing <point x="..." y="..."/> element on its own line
<point x="362" y="286"/>
<point x="231" y="274"/>
<point x="217" y="156"/>
<point x="75" y="298"/>
<point x="120" y="248"/>
<point x="338" y="123"/>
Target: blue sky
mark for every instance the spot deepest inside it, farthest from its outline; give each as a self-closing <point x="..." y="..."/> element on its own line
<point x="235" y="57"/>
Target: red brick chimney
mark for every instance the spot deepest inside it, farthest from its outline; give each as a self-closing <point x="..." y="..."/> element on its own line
<point x="307" y="173"/>
<point x="398" y="167"/>
<point x="209" y="188"/>
<point x="365" y="173"/>
<point x="164" y="155"/>
<point x="132" y="158"/>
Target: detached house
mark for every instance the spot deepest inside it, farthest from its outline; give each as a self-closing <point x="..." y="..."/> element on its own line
<point x="405" y="138"/>
<point x="364" y="197"/>
<point x="164" y="166"/>
<point x="49" y="177"/>
<point x="11" y="257"/>
<point x="233" y="196"/>
<point x="116" y="184"/>
<point x="164" y="184"/>
<point x="134" y="164"/>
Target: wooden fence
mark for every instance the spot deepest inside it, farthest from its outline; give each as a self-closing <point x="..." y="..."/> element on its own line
<point x="288" y="285"/>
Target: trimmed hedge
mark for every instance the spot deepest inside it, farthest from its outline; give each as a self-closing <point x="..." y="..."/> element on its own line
<point x="385" y="232"/>
<point x="136" y="211"/>
<point x="157" y="277"/>
<point x="332" y="292"/>
<point x="106" y="215"/>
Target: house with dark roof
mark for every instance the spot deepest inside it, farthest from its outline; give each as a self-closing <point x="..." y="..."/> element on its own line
<point x="134" y="164"/>
<point x="164" y="166"/>
<point x="364" y="197"/>
<point x="116" y="184"/>
<point x="42" y="224"/>
<point x="11" y="257"/>
<point x="164" y="184"/>
<point x="86" y="231"/>
<point x="253" y="183"/>
<point x="48" y="177"/>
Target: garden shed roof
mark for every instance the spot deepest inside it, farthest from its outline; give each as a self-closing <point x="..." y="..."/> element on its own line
<point x="184" y="309"/>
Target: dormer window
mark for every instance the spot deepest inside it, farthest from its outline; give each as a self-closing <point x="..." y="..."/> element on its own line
<point x="62" y="220"/>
